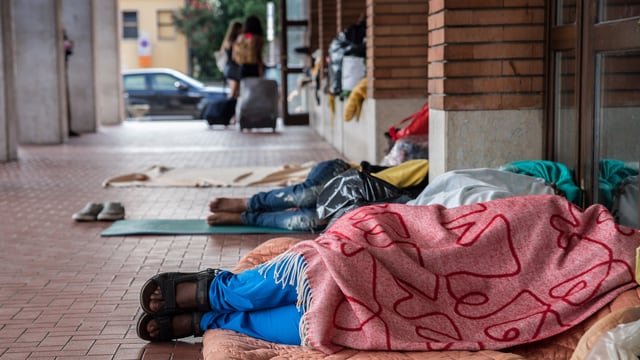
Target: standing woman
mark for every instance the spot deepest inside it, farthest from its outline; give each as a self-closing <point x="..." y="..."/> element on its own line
<point x="247" y="50"/>
<point x="232" y="69"/>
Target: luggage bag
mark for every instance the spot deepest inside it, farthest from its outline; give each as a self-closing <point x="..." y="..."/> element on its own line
<point x="220" y="111"/>
<point x="258" y="104"/>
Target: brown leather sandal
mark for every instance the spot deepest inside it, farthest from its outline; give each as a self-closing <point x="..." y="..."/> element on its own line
<point x="165" y="327"/>
<point x="167" y="282"/>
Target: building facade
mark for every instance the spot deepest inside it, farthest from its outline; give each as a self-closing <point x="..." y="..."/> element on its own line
<point x="505" y="80"/>
<point x="148" y="36"/>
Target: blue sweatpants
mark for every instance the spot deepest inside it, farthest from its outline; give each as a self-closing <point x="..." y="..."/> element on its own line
<point x="253" y="303"/>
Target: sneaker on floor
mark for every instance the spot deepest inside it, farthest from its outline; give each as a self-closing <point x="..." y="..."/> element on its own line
<point x="111" y="211"/>
<point x="88" y="213"/>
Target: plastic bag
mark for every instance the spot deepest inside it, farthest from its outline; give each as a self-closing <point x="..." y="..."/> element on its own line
<point x="418" y="124"/>
<point x="619" y="343"/>
<point x="221" y="59"/>
<point x="353" y="70"/>
<point x="408" y="148"/>
<point x="625" y="202"/>
<point x="349" y="42"/>
<point x="352" y="189"/>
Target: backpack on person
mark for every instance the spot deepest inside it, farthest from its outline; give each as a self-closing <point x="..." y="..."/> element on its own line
<point x="244" y="50"/>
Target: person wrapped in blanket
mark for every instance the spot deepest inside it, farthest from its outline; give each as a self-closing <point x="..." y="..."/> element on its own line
<point x="331" y="188"/>
<point x="487" y="275"/>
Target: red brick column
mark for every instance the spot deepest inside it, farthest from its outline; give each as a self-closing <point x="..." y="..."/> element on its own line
<point x="397" y="37"/>
<point x="348" y="12"/>
<point x="327" y="20"/>
<point x="486" y="55"/>
<point x="314" y="23"/>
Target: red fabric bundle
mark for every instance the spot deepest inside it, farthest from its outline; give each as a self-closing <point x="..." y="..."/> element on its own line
<point x="419" y="124"/>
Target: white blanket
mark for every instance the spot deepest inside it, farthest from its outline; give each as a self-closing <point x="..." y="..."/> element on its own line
<point x="470" y="186"/>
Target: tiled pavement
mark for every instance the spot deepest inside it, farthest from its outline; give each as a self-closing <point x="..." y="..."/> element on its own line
<point x="66" y="292"/>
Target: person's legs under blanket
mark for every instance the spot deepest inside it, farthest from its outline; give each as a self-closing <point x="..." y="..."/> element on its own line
<point x="303" y="195"/>
<point x="253" y="301"/>
<point x="299" y="219"/>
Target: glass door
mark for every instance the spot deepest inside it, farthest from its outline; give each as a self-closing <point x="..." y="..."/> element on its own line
<point x="613" y="62"/>
<point x="593" y="97"/>
<point x="562" y="96"/>
<point x="293" y="59"/>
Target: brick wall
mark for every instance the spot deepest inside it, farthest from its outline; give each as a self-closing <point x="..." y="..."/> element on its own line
<point x="486" y="55"/>
<point x="314" y="22"/>
<point x="348" y="12"/>
<point x="397" y="39"/>
<point x="327" y="20"/>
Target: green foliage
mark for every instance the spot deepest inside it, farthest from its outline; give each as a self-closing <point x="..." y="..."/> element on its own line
<point x="204" y="23"/>
<point x="196" y="21"/>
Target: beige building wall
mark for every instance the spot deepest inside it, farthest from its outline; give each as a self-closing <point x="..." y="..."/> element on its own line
<point x="168" y="52"/>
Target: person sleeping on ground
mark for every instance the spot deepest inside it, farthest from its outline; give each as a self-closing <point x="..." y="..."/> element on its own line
<point x="296" y="207"/>
<point x="489" y="275"/>
<point x="324" y="196"/>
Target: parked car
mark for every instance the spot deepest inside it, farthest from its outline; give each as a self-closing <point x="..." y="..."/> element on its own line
<point x="166" y="92"/>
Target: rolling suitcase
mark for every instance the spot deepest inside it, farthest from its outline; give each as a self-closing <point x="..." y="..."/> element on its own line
<point x="258" y="104"/>
<point x="220" y="111"/>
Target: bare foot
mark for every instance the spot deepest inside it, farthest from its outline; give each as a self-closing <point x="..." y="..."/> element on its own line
<point x="185" y="297"/>
<point x="224" y="218"/>
<point x="236" y="205"/>
<point x="180" y="324"/>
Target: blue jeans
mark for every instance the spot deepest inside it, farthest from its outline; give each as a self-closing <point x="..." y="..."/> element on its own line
<point x="293" y="207"/>
<point x="252" y="303"/>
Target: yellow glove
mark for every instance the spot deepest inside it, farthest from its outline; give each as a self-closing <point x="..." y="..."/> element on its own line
<point x="354" y="104"/>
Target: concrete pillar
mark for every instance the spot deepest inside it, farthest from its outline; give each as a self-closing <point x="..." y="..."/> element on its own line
<point x="34" y="109"/>
<point x="40" y="84"/>
<point x="77" y="18"/>
<point x="485" y="77"/>
<point x="8" y="136"/>
<point x="108" y="87"/>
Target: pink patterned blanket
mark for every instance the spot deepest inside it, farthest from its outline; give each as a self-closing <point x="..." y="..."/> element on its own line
<point x="483" y="276"/>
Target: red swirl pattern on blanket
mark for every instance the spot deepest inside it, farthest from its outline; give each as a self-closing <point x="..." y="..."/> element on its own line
<point x="484" y="276"/>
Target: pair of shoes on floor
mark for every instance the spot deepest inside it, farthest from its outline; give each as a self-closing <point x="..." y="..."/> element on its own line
<point x="108" y="211"/>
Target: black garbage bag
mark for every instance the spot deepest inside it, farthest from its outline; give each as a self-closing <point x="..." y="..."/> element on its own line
<point x="352" y="189"/>
<point x="352" y="41"/>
